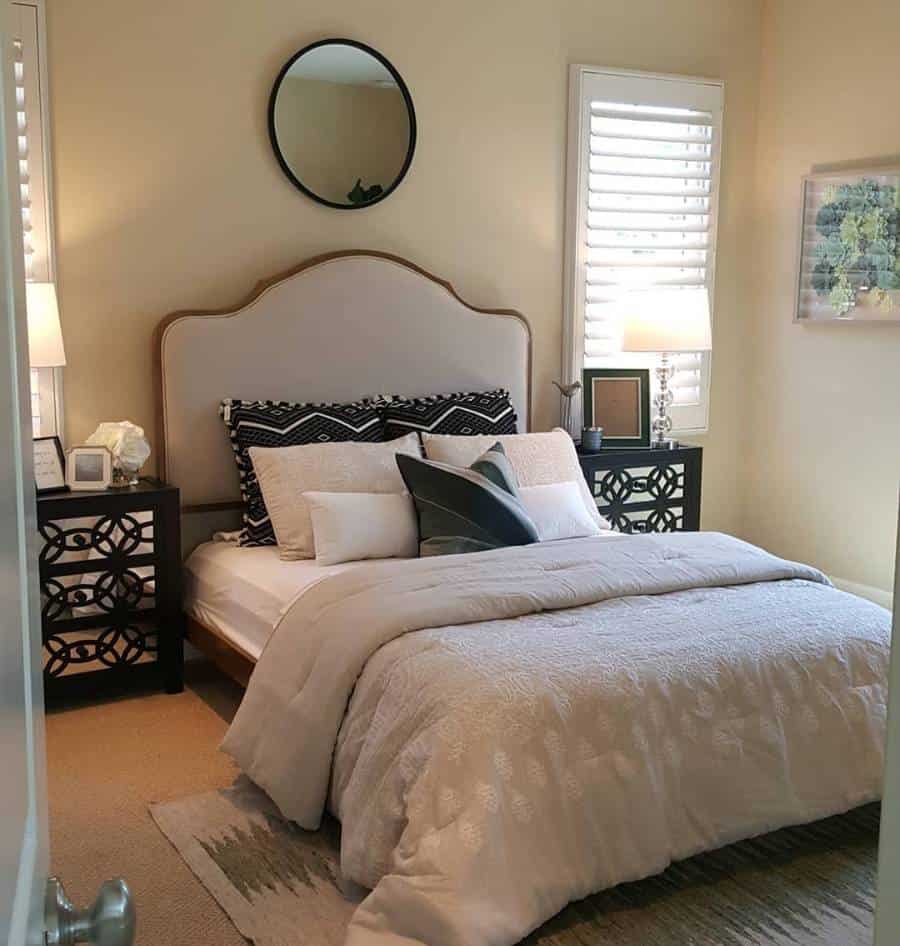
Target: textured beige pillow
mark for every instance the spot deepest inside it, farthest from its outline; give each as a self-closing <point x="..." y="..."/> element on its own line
<point x="537" y="459"/>
<point x="286" y="473"/>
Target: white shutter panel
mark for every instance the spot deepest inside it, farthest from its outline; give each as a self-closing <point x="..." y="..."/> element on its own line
<point x="33" y="193"/>
<point x="22" y="155"/>
<point x="30" y="142"/>
<point x="646" y="213"/>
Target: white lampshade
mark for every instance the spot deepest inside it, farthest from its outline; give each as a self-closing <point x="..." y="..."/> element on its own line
<point x="45" y="341"/>
<point x="673" y="320"/>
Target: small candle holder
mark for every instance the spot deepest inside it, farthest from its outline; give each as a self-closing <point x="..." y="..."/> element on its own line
<point x="592" y="439"/>
<point x="121" y="479"/>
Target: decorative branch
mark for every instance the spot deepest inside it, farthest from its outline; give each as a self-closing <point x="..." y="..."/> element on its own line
<point x="568" y="391"/>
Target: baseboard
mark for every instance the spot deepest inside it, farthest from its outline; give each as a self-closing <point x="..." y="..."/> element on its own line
<point x="878" y="595"/>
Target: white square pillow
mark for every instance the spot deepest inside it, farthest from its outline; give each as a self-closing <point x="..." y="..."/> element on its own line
<point x="286" y="473"/>
<point x="537" y="459"/>
<point x="557" y="510"/>
<point x="349" y="527"/>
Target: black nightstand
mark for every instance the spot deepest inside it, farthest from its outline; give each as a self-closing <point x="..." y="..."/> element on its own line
<point x="646" y="490"/>
<point x="110" y="575"/>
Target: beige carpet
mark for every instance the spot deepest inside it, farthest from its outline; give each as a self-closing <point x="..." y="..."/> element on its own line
<point x="107" y="761"/>
<point x="812" y="885"/>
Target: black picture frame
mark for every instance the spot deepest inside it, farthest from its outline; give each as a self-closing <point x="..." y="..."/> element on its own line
<point x="410" y="111"/>
<point x="63" y="487"/>
<point x="593" y="412"/>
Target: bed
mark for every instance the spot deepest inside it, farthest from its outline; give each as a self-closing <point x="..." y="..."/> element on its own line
<point x="276" y="344"/>
<point x="503" y="732"/>
<point x="238" y="595"/>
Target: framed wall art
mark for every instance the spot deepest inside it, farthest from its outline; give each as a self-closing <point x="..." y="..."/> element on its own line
<point x="849" y="256"/>
<point x="618" y="400"/>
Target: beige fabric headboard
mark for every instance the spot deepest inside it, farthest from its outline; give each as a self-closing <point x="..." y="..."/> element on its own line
<point x="337" y="328"/>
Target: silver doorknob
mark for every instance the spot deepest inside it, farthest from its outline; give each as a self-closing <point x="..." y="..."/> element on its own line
<point x="109" y="922"/>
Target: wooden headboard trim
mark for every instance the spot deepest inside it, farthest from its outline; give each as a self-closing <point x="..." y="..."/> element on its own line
<point x="256" y="292"/>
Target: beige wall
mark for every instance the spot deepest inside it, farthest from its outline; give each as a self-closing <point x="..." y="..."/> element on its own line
<point x="823" y="458"/>
<point x="168" y="195"/>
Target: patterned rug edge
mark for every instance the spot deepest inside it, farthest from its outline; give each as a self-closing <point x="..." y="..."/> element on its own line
<point x="808" y="885"/>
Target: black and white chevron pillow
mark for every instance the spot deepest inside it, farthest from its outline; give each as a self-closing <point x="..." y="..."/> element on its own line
<point x="282" y="424"/>
<point x="485" y="412"/>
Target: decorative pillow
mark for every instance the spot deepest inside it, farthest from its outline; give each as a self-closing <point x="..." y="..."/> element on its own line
<point x="287" y="473"/>
<point x="487" y="412"/>
<point x="461" y="510"/>
<point x="494" y="465"/>
<point x="349" y="527"/>
<point x="282" y="424"/>
<point x="557" y="510"/>
<point x="537" y="459"/>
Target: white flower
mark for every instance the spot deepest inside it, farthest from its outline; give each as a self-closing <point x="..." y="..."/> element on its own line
<point x="125" y="441"/>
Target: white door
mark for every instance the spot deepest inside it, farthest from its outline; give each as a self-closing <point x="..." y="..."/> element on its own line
<point x="33" y="910"/>
<point x="887" y="915"/>
<point x="23" y="805"/>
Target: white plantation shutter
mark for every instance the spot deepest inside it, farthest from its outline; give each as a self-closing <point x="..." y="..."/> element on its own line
<point x="643" y="166"/>
<point x="30" y="143"/>
<point x="33" y="187"/>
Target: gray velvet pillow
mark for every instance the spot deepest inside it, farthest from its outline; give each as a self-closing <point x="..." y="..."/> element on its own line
<point x="467" y="509"/>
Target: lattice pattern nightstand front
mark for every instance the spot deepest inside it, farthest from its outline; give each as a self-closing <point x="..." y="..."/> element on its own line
<point x="646" y="490"/>
<point x="110" y="568"/>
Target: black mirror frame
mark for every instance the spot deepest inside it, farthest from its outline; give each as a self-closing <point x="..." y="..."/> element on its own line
<point x="410" y="111"/>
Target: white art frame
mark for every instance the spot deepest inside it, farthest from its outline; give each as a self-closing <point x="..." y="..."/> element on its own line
<point x="858" y="288"/>
<point x="88" y="467"/>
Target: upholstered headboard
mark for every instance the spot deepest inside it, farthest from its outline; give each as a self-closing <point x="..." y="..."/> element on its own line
<point x="336" y="328"/>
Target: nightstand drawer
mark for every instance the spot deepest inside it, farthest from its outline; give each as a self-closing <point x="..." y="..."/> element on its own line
<point x="110" y="576"/>
<point x="646" y="490"/>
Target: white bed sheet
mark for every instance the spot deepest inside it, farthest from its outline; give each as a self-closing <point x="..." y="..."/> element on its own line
<point x="241" y="593"/>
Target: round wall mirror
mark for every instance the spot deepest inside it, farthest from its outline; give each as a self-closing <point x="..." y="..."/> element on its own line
<point x="342" y="123"/>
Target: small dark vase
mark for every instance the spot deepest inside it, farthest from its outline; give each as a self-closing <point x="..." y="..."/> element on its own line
<point x="592" y="439"/>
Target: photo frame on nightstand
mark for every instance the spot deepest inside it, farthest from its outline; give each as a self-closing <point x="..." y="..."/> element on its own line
<point x="618" y="400"/>
<point x="49" y="466"/>
<point x="88" y="467"/>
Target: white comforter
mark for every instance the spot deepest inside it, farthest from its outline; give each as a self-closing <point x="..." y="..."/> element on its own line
<point x="565" y="717"/>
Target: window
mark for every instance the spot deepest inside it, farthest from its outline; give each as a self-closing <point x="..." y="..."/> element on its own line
<point x="642" y="199"/>
<point x="31" y="116"/>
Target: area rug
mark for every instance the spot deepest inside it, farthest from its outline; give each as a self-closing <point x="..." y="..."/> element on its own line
<point x="806" y="886"/>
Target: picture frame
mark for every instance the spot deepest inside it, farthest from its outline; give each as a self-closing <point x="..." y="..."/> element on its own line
<point x="848" y="256"/>
<point x="618" y="400"/>
<point x="88" y="467"/>
<point x="49" y="466"/>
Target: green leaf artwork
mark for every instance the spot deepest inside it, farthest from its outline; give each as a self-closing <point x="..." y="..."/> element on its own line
<point x="859" y="226"/>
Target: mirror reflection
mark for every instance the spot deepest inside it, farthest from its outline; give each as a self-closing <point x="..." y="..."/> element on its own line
<point x="342" y="124"/>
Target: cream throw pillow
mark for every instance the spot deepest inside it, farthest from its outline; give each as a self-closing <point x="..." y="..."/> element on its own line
<point x="349" y="527"/>
<point x="537" y="459"/>
<point x="286" y="473"/>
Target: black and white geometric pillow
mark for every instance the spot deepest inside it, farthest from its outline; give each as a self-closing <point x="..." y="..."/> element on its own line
<point x="485" y="412"/>
<point x="282" y="424"/>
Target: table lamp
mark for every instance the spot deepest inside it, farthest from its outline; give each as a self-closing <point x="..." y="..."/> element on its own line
<point x="45" y="342"/>
<point x="666" y="321"/>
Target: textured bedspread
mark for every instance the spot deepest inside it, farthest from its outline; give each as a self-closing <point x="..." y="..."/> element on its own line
<point x="566" y="717"/>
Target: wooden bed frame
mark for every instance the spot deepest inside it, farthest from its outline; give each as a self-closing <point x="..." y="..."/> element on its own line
<point x="370" y="296"/>
<point x="232" y="661"/>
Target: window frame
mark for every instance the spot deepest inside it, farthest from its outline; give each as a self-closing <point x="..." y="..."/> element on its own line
<point x="691" y="419"/>
<point x="49" y="381"/>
